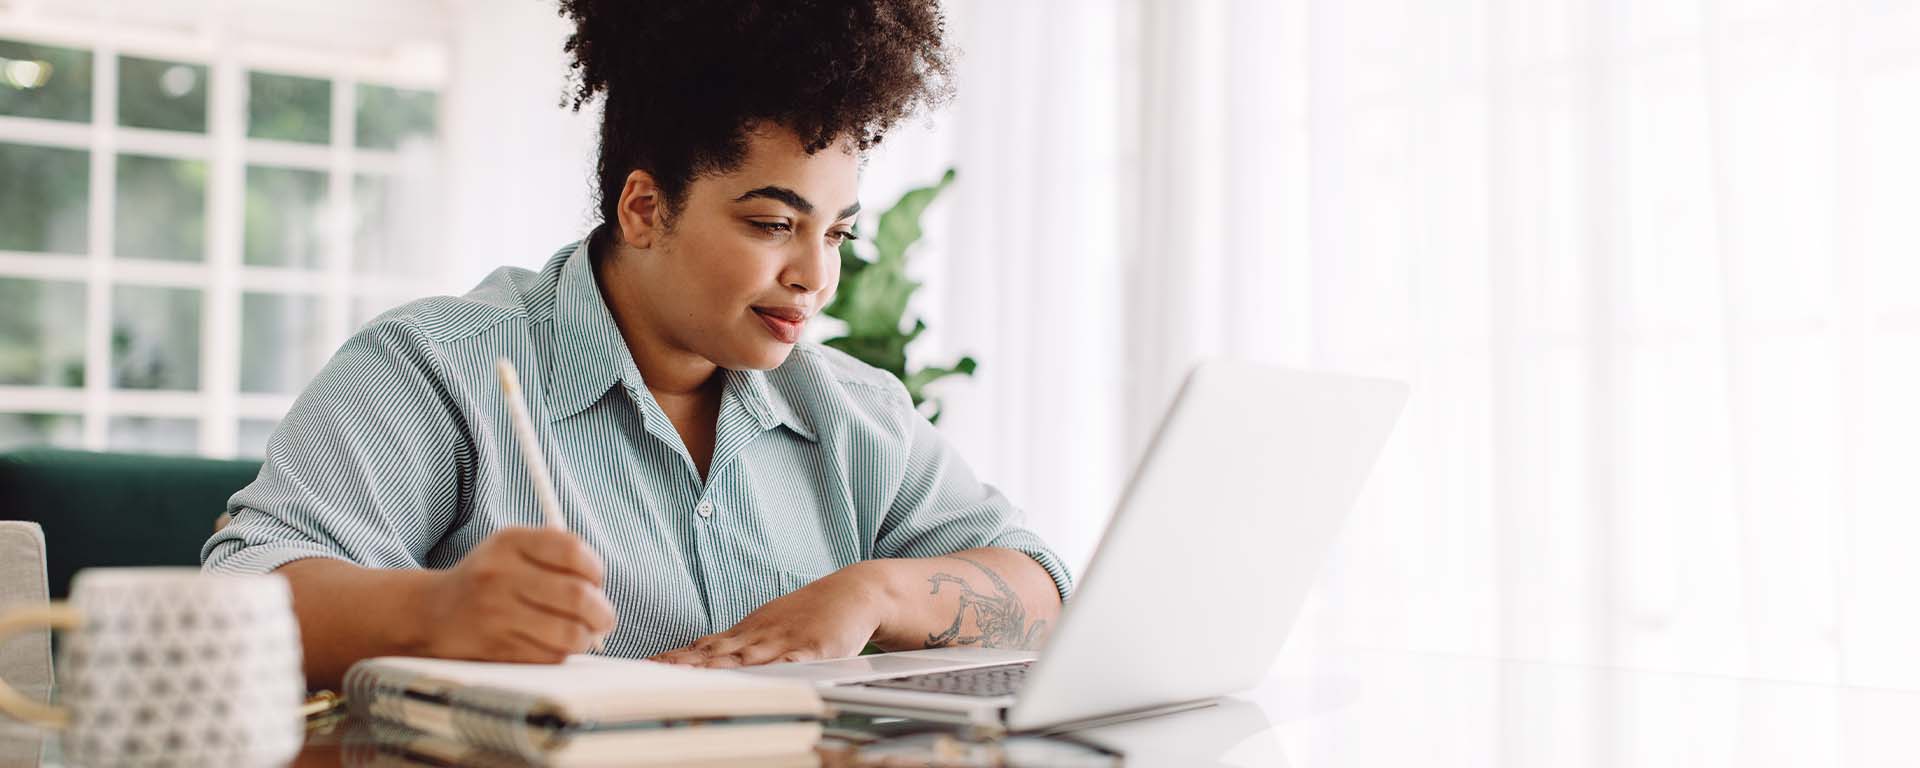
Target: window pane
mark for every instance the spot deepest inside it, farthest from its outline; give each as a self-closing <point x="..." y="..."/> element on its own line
<point x="156" y="337"/>
<point x="388" y="117"/>
<point x="168" y="95"/>
<point x="23" y="430"/>
<point x="160" y="208"/>
<point x="42" y="333"/>
<point x="45" y="81"/>
<point x="252" y="440"/>
<point x="393" y="219"/>
<point x="284" y="221"/>
<point x="145" y="434"/>
<point x="282" y="342"/>
<point x="373" y="247"/>
<point x="366" y="308"/>
<point x="289" y="108"/>
<point x="43" y="198"/>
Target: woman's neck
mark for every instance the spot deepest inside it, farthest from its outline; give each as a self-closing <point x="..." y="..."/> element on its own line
<point x="670" y="371"/>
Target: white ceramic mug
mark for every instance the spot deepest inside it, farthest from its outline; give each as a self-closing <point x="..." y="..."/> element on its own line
<point x="170" y="666"/>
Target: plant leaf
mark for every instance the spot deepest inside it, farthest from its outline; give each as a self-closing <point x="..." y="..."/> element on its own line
<point x="900" y="225"/>
<point x="874" y="293"/>
<point x="918" y="380"/>
<point x="888" y="353"/>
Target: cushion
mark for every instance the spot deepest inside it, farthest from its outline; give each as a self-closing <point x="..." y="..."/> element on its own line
<point x="26" y="659"/>
<point x="115" y="509"/>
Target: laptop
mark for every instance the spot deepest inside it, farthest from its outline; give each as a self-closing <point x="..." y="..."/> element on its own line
<point x="1195" y="582"/>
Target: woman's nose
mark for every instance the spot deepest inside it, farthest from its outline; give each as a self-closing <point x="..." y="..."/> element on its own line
<point x="812" y="270"/>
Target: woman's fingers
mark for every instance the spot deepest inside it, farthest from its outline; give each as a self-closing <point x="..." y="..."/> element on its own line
<point x="684" y="656"/>
<point x="721" y="652"/>
<point x="773" y="653"/>
<point x="530" y="648"/>
<point x="571" y="598"/>
<point x="554" y="633"/>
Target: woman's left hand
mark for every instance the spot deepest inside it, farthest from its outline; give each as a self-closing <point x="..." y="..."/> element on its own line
<point x="832" y="617"/>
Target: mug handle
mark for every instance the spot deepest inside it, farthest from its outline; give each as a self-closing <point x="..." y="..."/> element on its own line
<point x="52" y="616"/>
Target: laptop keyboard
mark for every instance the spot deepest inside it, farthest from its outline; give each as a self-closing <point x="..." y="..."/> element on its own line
<point x="1003" y="680"/>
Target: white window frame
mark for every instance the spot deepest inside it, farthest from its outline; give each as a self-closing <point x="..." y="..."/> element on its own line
<point x="217" y="405"/>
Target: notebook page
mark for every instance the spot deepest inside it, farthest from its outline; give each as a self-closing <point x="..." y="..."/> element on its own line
<point x="610" y="690"/>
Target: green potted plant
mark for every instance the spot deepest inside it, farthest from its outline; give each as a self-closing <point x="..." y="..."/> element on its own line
<point x="873" y="295"/>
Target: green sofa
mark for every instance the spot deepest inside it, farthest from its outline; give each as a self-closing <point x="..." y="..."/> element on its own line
<point x="117" y="509"/>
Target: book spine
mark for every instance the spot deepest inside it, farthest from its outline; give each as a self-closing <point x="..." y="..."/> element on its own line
<point x="497" y="719"/>
<point x="488" y="718"/>
<point x="375" y="693"/>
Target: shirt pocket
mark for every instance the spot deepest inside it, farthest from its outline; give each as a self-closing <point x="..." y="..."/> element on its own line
<point x="793" y="580"/>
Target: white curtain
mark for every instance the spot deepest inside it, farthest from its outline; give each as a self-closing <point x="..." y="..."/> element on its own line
<point x="1650" y="267"/>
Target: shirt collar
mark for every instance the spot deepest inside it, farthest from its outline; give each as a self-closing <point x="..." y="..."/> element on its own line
<point x="589" y="356"/>
<point x="768" y="402"/>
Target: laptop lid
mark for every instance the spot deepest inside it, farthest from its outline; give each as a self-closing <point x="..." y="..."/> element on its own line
<point x="1215" y="542"/>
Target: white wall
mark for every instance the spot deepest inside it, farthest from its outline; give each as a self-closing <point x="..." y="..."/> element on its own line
<point x="521" y="181"/>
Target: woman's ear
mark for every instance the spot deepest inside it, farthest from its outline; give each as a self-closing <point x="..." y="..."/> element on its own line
<point x="642" y="211"/>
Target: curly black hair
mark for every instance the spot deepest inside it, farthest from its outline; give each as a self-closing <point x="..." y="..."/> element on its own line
<point x="684" y="80"/>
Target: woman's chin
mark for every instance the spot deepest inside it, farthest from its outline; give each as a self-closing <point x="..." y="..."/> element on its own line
<point x="764" y="356"/>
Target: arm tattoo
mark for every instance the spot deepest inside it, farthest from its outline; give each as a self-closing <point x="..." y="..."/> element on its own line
<point x="1001" y="618"/>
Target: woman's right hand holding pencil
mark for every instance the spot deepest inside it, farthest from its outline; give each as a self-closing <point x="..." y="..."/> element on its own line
<point x="523" y="595"/>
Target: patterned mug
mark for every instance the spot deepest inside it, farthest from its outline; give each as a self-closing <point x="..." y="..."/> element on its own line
<point x="169" y="666"/>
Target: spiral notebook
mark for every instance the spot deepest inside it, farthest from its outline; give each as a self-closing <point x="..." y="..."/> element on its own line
<point x="590" y="710"/>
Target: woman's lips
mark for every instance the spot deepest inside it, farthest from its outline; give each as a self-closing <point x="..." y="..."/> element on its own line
<point x="783" y="324"/>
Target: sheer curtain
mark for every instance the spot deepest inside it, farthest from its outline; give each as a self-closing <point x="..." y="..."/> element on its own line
<point x="1650" y="268"/>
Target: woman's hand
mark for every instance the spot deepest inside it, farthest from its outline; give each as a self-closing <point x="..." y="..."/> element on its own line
<point x="829" y="618"/>
<point x="523" y="594"/>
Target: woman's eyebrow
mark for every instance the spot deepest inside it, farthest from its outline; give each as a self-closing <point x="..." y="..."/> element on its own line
<point x="793" y="200"/>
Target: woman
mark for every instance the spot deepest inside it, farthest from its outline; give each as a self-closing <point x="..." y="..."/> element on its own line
<point x="733" y="496"/>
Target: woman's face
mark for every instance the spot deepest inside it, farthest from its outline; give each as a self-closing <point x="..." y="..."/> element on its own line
<point x="753" y="254"/>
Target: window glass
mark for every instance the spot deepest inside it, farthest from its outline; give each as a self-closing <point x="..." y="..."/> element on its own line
<point x="165" y="95"/>
<point x="289" y="108"/>
<point x="160" y="209"/>
<point x="42" y="333"/>
<point x="45" y="81"/>
<point x="43" y="199"/>
<point x="156" y="337"/>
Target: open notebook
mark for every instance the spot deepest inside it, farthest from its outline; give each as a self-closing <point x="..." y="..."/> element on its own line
<point x="590" y="710"/>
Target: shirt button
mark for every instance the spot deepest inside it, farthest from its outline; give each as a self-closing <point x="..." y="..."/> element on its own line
<point x="704" y="508"/>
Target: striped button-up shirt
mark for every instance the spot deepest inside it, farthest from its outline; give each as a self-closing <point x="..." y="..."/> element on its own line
<point x="400" y="454"/>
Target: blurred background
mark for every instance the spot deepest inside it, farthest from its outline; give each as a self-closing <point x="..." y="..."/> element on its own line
<point x="1651" y="267"/>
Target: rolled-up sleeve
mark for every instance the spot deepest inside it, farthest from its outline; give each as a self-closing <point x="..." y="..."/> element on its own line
<point x="367" y="466"/>
<point x="941" y="508"/>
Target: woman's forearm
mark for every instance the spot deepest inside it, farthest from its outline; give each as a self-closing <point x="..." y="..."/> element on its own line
<point x="348" y="613"/>
<point x="989" y="597"/>
<point x="525" y="595"/>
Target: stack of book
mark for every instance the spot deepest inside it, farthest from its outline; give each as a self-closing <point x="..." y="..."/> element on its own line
<point x="588" y="711"/>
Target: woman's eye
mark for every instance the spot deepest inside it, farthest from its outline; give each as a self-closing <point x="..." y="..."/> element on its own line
<point x="841" y="237"/>
<point x="773" y="227"/>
